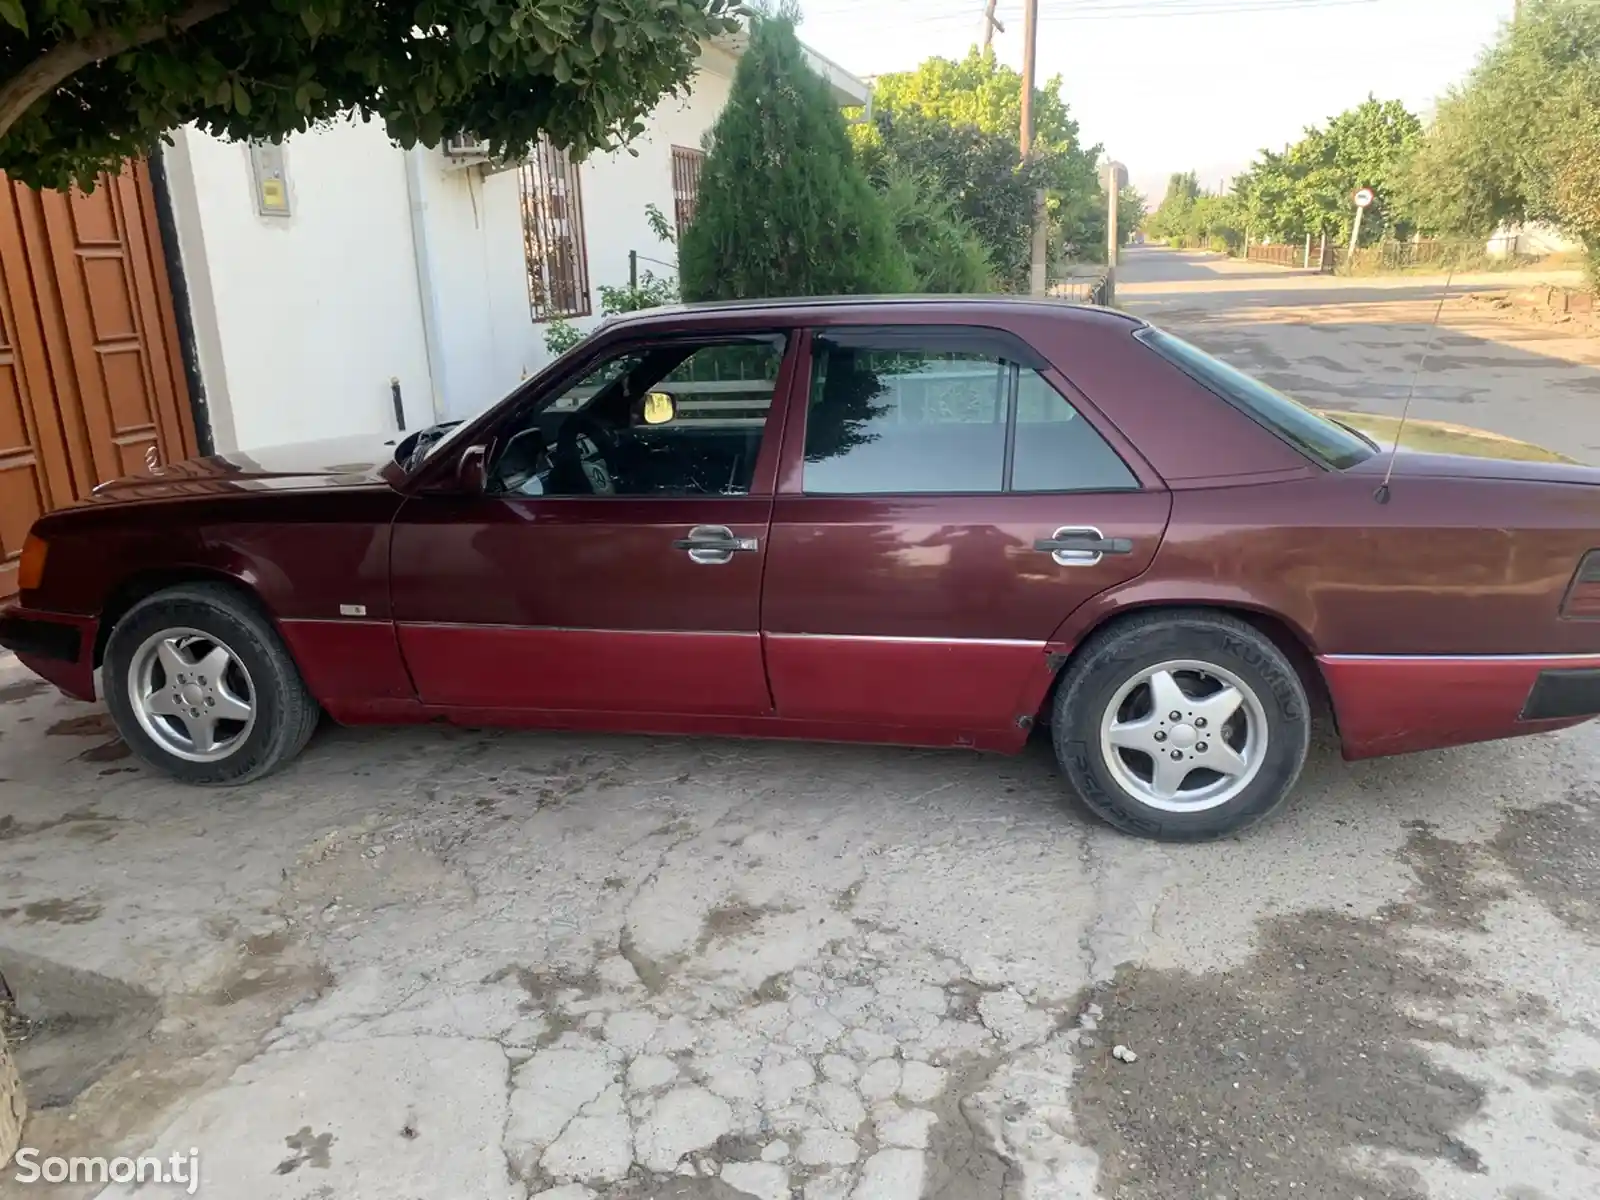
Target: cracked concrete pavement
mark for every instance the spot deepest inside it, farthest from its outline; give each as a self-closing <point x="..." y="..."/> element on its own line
<point x="433" y="963"/>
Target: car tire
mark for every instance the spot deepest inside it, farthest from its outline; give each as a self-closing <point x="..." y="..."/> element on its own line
<point x="200" y="685"/>
<point x="1121" y="755"/>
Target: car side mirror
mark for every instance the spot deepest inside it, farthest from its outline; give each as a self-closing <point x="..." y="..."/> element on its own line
<point x="658" y="408"/>
<point x="472" y="470"/>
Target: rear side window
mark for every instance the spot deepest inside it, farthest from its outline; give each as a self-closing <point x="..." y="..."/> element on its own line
<point x="1312" y="434"/>
<point x="1056" y="449"/>
<point x="901" y="415"/>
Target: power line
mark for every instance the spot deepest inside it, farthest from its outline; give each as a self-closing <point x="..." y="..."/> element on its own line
<point x="1087" y="10"/>
<point x="1192" y="8"/>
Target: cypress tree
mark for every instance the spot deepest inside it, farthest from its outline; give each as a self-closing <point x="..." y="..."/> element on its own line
<point x="784" y="210"/>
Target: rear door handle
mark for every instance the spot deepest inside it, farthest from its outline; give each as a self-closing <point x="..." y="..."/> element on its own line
<point x="711" y="545"/>
<point x="1081" y="545"/>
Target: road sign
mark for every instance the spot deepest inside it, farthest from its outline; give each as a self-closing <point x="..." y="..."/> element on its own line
<point x="1364" y="197"/>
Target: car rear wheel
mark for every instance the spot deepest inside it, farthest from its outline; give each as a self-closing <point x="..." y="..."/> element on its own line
<point x="1183" y="726"/>
<point x="200" y="685"/>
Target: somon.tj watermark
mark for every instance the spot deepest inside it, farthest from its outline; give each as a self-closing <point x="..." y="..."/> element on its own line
<point x="181" y="1170"/>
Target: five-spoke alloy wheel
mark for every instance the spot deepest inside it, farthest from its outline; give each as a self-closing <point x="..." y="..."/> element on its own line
<point x="200" y="685"/>
<point x="191" y="693"/>
<point x="1181" y="725"/>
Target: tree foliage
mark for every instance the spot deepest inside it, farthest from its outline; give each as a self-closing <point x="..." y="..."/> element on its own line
<point x="946" y="255"/>
<point x="1131" y="213"/>
<point x="980" y="174"/>
<point x="981" y="91"/>
<point x="1308" y="188"/>
<point x="1191" y="216"/>
<point x="784" y="209"/>
<point x="957" y="123"/>
<point x="1516" y="141"/>
<point x="85" y="84"/>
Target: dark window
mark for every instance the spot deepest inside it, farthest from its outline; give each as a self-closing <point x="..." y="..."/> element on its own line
<point x="552" y="235"/>
<point x="893" y="414"/>
<point x="1312" y="434"/>
<point x="594" y="439"/>
<point x="1056" y="449"/>
<point x="686" y="166"/>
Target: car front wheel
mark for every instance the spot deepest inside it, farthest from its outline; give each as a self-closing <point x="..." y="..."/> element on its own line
<point x="200" y="685"/>
<point x="1183" y="726"/>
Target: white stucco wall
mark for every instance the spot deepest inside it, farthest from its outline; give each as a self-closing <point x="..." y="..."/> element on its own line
<point x="489" y="339"/>
<point x="301" y="321"/>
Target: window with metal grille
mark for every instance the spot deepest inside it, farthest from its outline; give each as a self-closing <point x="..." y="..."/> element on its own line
<point x="552" y="235"/>
<point x="686" y="164"/>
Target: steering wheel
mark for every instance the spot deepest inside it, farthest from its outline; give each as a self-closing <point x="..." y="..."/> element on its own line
<point x="595" y="463"/>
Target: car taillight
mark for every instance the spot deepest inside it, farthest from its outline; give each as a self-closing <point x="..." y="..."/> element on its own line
<point x="30" y="570"/>
<point x="1583" y="597"/>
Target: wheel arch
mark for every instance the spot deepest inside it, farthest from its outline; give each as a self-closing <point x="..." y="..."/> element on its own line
<point x="1290" y="641"/>
<point x="141" y="585"/>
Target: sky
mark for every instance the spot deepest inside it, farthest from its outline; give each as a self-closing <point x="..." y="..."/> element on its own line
<point x="1177" y="85"/>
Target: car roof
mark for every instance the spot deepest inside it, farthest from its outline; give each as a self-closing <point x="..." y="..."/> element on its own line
<point x="802" y="307"/>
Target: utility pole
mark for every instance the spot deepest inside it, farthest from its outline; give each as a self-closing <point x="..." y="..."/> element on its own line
<point x="1113" y="173"/>
<point x="1030" y="49"/>
<point x="991" y="23"/>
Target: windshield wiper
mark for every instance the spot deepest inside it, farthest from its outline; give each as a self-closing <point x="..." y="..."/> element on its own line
<point x="1365" y="437"/>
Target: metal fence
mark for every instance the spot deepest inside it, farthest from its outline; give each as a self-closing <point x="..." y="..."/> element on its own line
<point x="1080" y="289"/>
<point x="1442" y="253"/>
<point x="1279" y="255"/>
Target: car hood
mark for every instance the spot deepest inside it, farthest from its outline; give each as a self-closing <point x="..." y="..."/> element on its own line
<point x="1441" y="448"/>
<point x="335" y="463"/>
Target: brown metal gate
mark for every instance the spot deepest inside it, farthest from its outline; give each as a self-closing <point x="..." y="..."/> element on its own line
<point x="91" y="375"/>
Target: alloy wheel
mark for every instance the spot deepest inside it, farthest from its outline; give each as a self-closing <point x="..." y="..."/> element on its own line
<point x="192" y="694"/>
<point x="1184" y="736"/>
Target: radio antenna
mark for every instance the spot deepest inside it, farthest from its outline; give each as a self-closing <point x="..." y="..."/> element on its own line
<point x="1382" y="494"/>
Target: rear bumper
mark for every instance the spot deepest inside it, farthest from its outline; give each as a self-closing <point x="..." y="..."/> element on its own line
<point x="55" y="646"/>
<point x="1397" y="704"/>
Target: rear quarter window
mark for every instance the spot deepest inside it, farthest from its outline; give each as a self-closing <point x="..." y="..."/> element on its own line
<point x="1308" y="431"/>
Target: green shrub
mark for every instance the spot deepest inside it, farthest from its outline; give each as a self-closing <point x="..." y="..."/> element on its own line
<point x="784" y="210"/>
<point x="946" y="255"/>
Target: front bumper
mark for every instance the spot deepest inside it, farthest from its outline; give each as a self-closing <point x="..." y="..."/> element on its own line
<point x="1395" y="704"/>
<point x="58" y="647"/>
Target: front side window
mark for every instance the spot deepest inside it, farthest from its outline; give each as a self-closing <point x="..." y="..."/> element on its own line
<point x="896" y="415"/>
<point x="666" y="420"/>
<point x="1310" y="432"/>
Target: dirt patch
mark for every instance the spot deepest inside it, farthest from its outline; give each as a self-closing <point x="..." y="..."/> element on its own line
<point x="113" y="751"/>
<point x="57" y="911"/>
<point x="1453" y="894"/>
<point x="69" y="1027"/>
<point x="11" y="693"/>
<point x="1257" y="1083"/>
<point x="962" y="1163"/>
<point x="1262" y="1081"/>
<point x="89" y="725"/>
<point x="731" y="921"/>
<point x="1554" y="852"/>
<point x="11" y="828"/>
<point x="306" y="1149"/>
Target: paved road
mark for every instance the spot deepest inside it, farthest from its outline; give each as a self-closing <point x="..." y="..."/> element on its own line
<point x="449" y="965"/>
<point x="1356" y="343"/>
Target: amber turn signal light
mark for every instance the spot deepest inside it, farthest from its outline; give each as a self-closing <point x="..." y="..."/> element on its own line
<point x="1583" y="597"/>
<point x="30" y="569"/>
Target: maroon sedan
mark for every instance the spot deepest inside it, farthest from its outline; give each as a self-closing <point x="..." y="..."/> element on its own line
<point x="928" y="522"/>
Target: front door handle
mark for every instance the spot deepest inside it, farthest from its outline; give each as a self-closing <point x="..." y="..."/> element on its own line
<point x="710" y="545"/>
<point x="1081" y="546"/>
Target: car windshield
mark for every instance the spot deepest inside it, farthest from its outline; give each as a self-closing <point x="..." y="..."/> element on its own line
<point x="1312" y="434"/>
